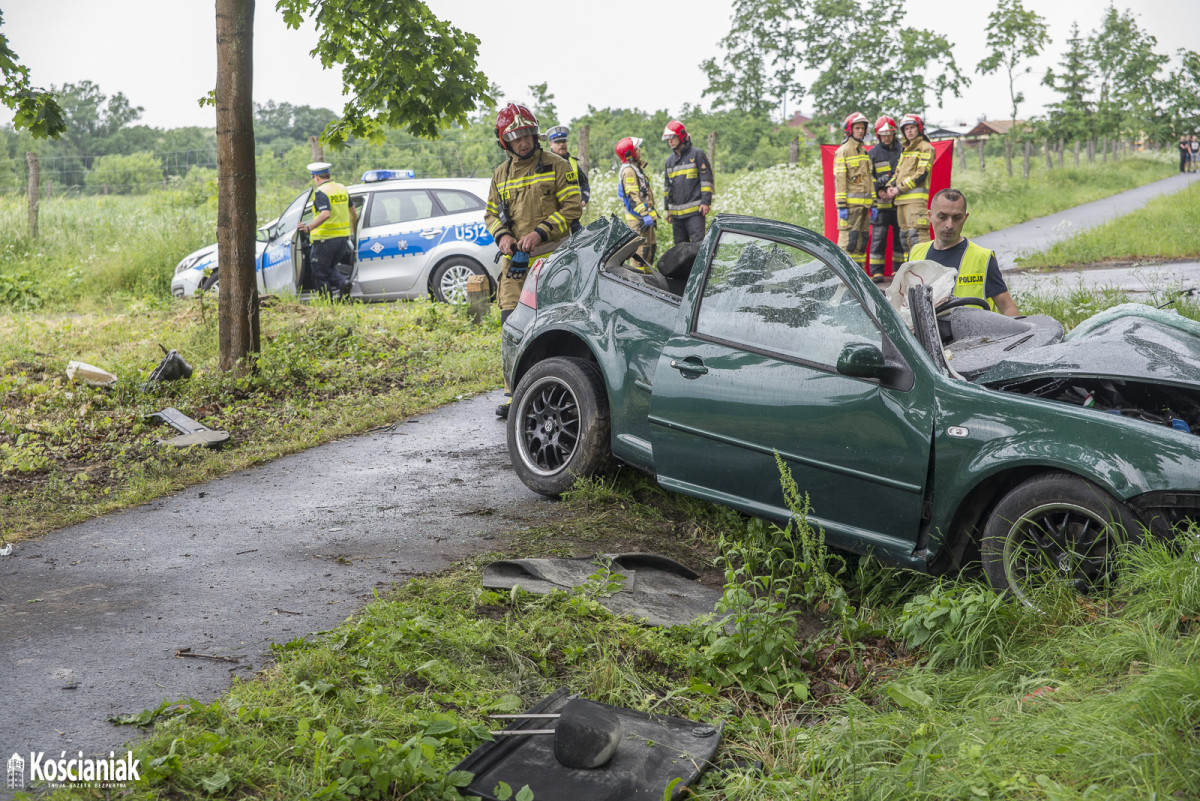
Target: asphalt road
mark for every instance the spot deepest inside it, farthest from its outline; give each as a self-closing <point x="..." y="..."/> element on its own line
<point x="92" y="616"/>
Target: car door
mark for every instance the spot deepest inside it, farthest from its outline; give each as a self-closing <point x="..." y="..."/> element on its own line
<point x="395" y="239"/>
<point x="276" y="268"/>
<point x="754" y="374"/>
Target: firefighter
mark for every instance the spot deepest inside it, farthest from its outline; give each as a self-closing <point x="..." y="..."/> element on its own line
<point x="978" y="272"/>
<point x="558" y="137"/>
<point x="532" y="203"/>
<point x="633" y="188"/>
<point x="689" y="185"/>
<point x="911" y="184"/>
<point x="884" y="157"/>
<point x="854" y="189"/>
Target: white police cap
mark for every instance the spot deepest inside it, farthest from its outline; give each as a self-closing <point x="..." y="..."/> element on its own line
<point x="318" y="167"/>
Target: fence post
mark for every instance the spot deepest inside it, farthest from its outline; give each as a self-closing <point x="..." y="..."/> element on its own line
<point x="1048" y="147"/>
<point x="1061" y="145"/>
<point x="982" y="166"/>
<point x="318" y="152"/>
<point x="1076" y="152"/>
<point x="962" y="155"/>
<point x="585" y="160"/>
<point x="1091" y="149"/>
<point x="34" y="179"/>
<point x="794" y="151"/>
<point x="1104" y="150"/>
<point x="712" y="150"/>
<point x="1028" y="152"/>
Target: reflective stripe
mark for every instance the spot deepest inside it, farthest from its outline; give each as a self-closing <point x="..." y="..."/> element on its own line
<point x="916" y="194"/>
<point x="686" y="172"/>
<point x="518" y="183"/>
<point x="567" y="191"/>
<point x="682" y="210"/>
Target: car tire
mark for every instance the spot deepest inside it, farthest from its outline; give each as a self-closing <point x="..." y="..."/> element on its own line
<point x="211" y="282"/>
<point x="1055" y="528"/>
<point x="448" y="282"/>
<point x="558" y="425"/>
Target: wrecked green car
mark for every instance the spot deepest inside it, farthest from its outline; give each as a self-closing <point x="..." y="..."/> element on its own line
<point x="972" y="436"/>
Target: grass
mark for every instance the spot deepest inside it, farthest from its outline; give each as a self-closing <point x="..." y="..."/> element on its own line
<point x="69" y="452"/>
<point x="1166" y="228"/>
<point x="947" y="691"/>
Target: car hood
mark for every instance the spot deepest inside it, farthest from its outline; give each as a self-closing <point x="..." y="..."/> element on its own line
<point x="1131" y="342"/>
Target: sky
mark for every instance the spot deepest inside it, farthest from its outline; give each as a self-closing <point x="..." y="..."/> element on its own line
<point x="162" y="53"/>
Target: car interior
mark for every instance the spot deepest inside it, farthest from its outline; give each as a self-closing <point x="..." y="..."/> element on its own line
<point x="669" y="274"/>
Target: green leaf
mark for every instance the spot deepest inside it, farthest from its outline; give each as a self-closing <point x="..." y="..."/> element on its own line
<point x="216" y="782"/>
<point x="908" y="697"/>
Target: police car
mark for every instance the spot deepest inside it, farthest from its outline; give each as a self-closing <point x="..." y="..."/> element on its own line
<point x="417" y="237"/>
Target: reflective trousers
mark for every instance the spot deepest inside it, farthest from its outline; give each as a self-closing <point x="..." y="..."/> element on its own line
<point x="853" y="234"/>
<point x="885" y="224"/>
<point x="913" y="219"/>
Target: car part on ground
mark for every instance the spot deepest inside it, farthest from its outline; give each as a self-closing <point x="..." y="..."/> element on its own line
<point x="171" y="368"/>
<point x="448" y="281"/>
<point x="191" y="431"/>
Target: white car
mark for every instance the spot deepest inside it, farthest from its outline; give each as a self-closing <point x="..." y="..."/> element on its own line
<point x="416" y="238"/>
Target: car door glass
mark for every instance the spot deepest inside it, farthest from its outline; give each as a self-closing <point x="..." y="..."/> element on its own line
<point x="456" y="202"/>
<point x="406" y="205"/>
<point x="774" y="297"/>
<point x="292" y="214"/>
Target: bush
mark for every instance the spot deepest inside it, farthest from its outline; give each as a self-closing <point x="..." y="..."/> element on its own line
<point x="123" y="175"/>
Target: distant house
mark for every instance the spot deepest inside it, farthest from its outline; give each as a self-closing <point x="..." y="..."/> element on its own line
<point x="942" y="133"/>
<point x="805" y="126"/>
<point x="986" y="129"/>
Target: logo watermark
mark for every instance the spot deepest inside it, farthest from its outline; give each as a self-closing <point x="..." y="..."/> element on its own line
<point x="77" y="771"/>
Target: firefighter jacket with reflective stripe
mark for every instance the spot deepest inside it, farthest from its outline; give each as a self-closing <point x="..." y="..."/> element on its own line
<point x="853" y="183"/>
<point x="337" y="224"/>
<point x="585" y="189"/>
<point x="536" y="193"/>
<point x="883" y="164"/>
<point x="972" y="270"/>
<point x="912" y="173"/>
<point x="633" y="188"/>
<point x="689" y="182"/>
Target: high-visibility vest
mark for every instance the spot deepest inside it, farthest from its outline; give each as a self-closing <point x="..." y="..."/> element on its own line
<point x="337" y="225"/>
<point x="972" y="269"/>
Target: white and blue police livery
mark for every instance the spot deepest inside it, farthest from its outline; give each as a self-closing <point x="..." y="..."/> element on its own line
<point x="416" y="237"/>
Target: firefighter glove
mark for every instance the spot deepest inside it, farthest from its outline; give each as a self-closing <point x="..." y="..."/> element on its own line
<point x="874" y="214"/>
<point x="648" y="221"/>
<point x="843" y="214"/>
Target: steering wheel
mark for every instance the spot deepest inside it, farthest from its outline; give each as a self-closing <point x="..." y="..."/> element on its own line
<point x="955" y="301"/>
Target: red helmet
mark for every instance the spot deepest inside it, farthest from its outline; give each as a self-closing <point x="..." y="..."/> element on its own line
<point x="857" y="116"/>
<point x="913" y="119"/>
<point x="675" y="128"/>
<point x="885" y="124"/>
<point x="513" y="122"/>
<point x="627" y="149"/>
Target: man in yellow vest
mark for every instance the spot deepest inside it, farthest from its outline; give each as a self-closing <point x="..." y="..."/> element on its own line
<point x="329" y="231"/>
<point x="978" y="273"/>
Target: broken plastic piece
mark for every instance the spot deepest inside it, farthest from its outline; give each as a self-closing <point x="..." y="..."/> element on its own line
<point x="192" y="432"/>
<point x="89" y="373"/>
<point x="171" y="368"/>
<point x="6" y="550"/>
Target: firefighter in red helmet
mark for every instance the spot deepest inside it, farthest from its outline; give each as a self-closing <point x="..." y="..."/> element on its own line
<point x="532" y="203"/>
<point x="633" y="188"/>
<point x="854" y="189"/>
<point x="911" y="183"/>
<point x="884" y="157"/>
<point x="689" y="184"/>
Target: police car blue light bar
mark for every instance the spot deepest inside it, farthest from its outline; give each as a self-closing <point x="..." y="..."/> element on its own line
<point x="371" y="176"/>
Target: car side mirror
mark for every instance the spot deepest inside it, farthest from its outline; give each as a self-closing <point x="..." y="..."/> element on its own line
<point x="861" y="360"/>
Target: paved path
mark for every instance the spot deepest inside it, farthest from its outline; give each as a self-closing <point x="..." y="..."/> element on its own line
<point x="91" y="616"/>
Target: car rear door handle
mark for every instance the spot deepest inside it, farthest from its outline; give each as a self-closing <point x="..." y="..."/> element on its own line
<point x="694" y="366"/>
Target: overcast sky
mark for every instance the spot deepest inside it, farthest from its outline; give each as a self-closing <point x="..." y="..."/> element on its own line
<point x="161" y="53"/>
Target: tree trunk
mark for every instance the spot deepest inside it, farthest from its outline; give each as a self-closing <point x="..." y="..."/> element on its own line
<point x="712" y="150"/>
<point x="794" y="151"/>
<point x="1028" y="153"/>
<point x="1061" y="147"/>
<point x="35" y="175"/>
<point x="962" y="156"/>
<point x="1091" y="150"/>
<point x="238" y="333"/>
<point x="585" y="160"/>
<point x="1008" y="153"/>
<point x="318" y="152"/>
<point x="982" y="166"/>
<point x="1104" y="150"/>
<point x="1048" y="148"/>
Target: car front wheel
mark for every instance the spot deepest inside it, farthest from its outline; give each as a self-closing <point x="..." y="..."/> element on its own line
<point x="449" y="280"/>
<point x="558" y="425"/>
<point x="1055" y="530"/>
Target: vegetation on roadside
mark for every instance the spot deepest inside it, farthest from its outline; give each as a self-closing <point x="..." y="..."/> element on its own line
<point x="69" y="451"/>
<point x="1166" y="228"/>
<point x="839" y="680"/>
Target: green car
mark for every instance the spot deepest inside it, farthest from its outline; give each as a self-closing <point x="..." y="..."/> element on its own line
<point x="972" y="436"/>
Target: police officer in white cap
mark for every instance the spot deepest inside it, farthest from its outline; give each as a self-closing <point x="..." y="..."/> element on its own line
<point x="329" y="231"/>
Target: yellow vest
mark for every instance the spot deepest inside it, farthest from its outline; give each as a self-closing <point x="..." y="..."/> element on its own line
<point x="972" y="270"/>
<point x="337" y="225"/>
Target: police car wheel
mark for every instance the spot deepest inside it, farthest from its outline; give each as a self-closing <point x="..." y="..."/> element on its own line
<point x="211" y="283"/>
<point x="448" y="283"/>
